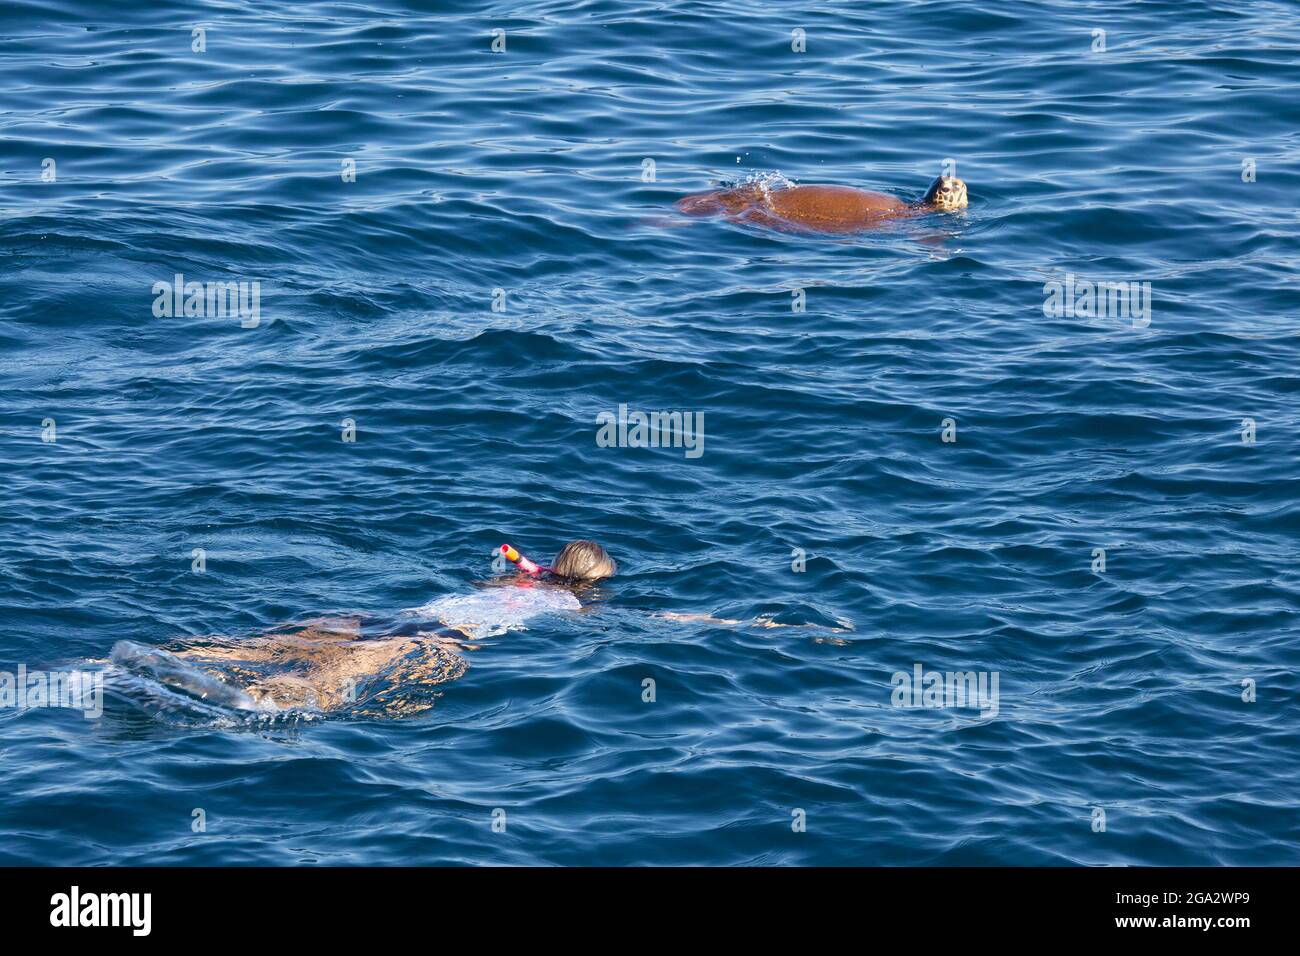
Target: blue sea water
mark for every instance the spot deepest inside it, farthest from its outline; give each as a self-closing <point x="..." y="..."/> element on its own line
<point x="506" y="267"/>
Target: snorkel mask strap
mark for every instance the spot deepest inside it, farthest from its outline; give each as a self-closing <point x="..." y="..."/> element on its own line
<point x="530" y="567"/>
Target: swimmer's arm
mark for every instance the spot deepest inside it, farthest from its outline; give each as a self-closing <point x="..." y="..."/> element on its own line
<point x="696" y="618"/>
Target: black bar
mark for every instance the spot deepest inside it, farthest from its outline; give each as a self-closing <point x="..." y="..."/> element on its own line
<point x="333" y="905"/>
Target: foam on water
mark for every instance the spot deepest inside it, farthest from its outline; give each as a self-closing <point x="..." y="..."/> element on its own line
<point x="494" y="611"/>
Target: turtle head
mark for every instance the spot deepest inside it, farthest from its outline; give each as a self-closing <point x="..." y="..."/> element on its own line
<point x="947" y="193"/>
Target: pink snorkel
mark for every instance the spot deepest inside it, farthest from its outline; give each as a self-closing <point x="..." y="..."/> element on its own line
<point x="523" y="563"/>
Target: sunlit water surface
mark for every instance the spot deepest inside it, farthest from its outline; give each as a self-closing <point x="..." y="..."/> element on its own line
<point x="549" y="171"/>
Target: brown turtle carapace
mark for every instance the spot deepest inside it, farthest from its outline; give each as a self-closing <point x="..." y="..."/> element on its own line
<point x="826" y="209"/>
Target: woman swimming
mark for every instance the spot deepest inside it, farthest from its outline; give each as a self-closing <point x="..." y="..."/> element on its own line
<point x="327" y="664"/>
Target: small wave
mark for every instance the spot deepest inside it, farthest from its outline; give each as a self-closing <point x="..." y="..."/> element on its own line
<point x="173" y="691"/>
<point x="171" y="672"/>
<point x="167" y="706"/>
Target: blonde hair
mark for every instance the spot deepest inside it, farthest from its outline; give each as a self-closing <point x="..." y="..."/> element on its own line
<point x="584" y="561"/>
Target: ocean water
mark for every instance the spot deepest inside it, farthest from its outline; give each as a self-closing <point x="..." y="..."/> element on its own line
<point x="506" y="268"/>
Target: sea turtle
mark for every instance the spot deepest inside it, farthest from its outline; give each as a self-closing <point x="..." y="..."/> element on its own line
<point x="818" y="208"/>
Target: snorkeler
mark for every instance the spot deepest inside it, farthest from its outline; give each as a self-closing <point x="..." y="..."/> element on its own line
<point x="580" y="560"/>
<point x="386" y="666"/>
<point x="327" y="663"/>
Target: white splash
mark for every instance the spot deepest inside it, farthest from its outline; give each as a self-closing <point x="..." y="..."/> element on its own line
<point x="496" y="610"/>
<point x="769" y="182"/>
